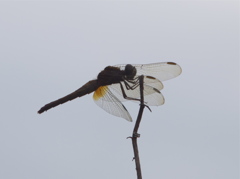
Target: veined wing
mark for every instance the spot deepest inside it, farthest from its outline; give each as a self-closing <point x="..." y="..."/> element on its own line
<point x="162" y="71"/>
<point x="151" y="92"/>
<point x="105" y="99"/>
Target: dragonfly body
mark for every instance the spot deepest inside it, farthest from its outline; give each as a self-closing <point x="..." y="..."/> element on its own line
<point x="110" y="75"/>
<point x="119" y="83"/>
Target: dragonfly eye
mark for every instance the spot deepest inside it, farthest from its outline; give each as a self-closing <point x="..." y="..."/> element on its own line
<point x="130" y="71"/>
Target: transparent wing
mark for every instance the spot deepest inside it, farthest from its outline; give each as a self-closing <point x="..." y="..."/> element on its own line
<point x="105" y="99"/>
<point x="153" y="82"/>
<point x="154" y="99"/>
<point x="151" y="92"/>
<point x="162" y="71"/>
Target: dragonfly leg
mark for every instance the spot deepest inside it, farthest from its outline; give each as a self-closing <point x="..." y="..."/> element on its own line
<point x="125" y="96"/>
<point x="135" y="83"/>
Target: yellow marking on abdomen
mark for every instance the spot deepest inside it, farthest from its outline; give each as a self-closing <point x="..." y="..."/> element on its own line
<point x="100" y="92"/>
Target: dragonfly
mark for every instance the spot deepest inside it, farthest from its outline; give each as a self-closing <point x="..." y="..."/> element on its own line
<point x="119" y="83"/>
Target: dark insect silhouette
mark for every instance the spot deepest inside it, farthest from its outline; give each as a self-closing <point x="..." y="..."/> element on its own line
<point x="121" y="82"/>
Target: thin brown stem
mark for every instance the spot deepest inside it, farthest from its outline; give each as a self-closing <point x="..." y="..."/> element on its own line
<point x="135" y="135"/>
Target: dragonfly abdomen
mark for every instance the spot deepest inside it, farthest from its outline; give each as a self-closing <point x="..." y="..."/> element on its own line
<point x="89" y="87"/>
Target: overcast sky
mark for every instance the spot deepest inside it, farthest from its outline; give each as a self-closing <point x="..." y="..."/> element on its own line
<point x="49" y="49"/>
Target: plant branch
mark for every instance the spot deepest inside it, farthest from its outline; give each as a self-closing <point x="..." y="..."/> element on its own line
<point x="135" y="135"/>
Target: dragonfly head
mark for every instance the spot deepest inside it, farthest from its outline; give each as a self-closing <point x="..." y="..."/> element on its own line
<point x="130" y="71"/>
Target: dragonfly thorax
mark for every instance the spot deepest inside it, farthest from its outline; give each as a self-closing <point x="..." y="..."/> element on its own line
<point x="130" y="71"/>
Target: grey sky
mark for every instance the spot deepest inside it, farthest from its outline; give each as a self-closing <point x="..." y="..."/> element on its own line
<point x="49" y="49"/>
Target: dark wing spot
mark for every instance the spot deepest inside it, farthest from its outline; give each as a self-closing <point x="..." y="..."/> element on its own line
<point x="171" y="63"/>
<point x="150" y="77"/>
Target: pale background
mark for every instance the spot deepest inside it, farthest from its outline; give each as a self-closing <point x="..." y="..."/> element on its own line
<point x="49" y="49"/>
